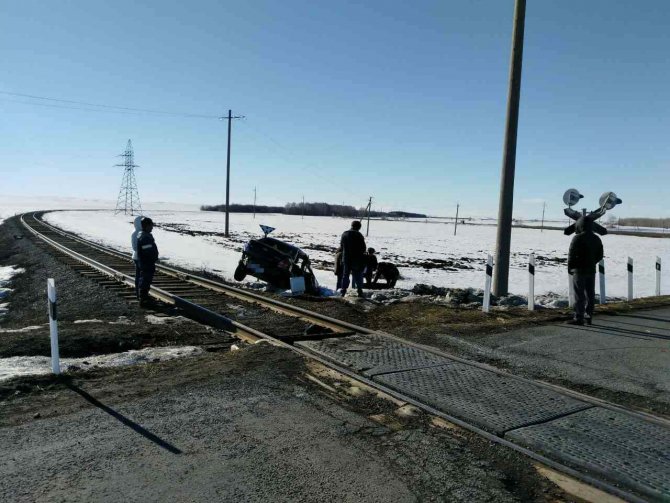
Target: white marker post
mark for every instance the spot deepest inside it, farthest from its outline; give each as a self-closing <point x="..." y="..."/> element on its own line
<point x="630" y="279"/>
<point x="53" y="325"/>
<point x="658" y="276"/>
<point x="487" y="285"/>
<point x="571" y="291"/>
<point x="601" y="275"/>
<point x="531" y="282"/>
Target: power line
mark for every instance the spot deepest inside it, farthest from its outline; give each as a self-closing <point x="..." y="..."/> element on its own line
<point x="109" y="107"/>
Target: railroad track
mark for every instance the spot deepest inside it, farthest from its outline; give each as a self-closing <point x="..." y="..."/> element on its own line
<point x="621" y="451"/>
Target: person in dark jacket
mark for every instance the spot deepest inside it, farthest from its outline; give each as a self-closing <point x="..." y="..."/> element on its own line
<point x="389" y="272"/>
<point x="353" y="258"/>
<point x="147" y="253"/>
<point x="586" y="250"/>
<point x="133" y="242"/>
<point x="370" y="265"/>
<point x="338" y="268"/>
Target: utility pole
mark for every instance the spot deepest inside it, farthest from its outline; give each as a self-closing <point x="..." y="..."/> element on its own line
<point x="504" y="234"/>
<point x="544" y="205"/>
<point x="230" y="122"/>
<point x="254" y="203"/>
<point x="367" y="230"/>
<point x="456" y="221"/>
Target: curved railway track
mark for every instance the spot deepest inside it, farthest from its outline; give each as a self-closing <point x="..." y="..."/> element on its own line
<point x="251" y="317"/>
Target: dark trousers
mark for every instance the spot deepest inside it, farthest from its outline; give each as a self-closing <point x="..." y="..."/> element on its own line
<point x="146" y="277"/>
<point x="138" y="275"/>
<point x="584" y="286"/>
<point x="356" y="277"/>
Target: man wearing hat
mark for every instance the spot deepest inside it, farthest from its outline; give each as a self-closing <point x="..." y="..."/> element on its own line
<point x="147" y="253"/>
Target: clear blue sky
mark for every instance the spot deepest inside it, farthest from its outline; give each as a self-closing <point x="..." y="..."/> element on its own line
<point x="401" y="100"/>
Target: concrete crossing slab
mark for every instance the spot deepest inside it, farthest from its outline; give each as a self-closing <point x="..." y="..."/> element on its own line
<point x="486" y="399"/>
<point x="616" y="446"/>
<point x="373" y="354"/>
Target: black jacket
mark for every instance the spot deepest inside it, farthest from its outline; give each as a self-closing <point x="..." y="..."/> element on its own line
<point x="353" y="249"/>
<point x="147" y="251"/>
<point x="586" y="249"/>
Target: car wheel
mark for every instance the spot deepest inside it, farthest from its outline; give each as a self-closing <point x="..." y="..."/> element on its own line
<point x="240" y="272"/>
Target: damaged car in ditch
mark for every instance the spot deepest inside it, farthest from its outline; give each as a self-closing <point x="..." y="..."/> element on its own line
<point x="278" y="263"/>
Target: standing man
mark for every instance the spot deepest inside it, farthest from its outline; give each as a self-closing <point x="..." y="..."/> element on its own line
<point x="586" y="250"/>
<point x="133" y="242"/>
<point x="353" y="258"/>
<point x="147" y="252"/>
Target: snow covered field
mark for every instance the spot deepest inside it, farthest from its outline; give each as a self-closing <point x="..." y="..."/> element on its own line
<point x="426" y="252"/>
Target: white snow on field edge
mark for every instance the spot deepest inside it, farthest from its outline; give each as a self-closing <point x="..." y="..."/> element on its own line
<point x="6" y="274"/>
<point x="18" y="366"/>
<point x="400" y="242"/>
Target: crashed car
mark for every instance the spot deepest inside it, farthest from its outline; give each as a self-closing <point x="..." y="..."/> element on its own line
<point x="275" y="262"/>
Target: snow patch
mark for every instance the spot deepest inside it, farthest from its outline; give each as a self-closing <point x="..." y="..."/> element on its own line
<point x="19" y="330"/>
<point x="164" y="320"/>
<point x="17" y="366"/>
<point x="87" y="321"/>
<point x="6" y="274"/>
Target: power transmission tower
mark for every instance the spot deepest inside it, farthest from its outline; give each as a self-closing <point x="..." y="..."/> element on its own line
<point x="129" y="197"/>
<point x="544" y="206"/>
<point x="367" y="230"/>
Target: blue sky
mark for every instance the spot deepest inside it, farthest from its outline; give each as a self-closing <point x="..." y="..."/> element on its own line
<point x="404" y="101"/>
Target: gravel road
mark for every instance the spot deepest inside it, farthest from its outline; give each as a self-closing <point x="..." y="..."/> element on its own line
<point x="240" y="426"/>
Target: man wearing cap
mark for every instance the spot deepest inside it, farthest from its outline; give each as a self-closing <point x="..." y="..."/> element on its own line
<point x="586" y="250"/>
<point x="147" y="253"/>
<point x="353" y="258"/>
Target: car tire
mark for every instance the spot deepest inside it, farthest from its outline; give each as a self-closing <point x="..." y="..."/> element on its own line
<point x="240" y="272"/>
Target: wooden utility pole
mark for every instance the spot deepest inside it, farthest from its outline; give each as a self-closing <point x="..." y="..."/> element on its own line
<point x="367" y="230"/>
<point x="230" y="122"/>
<point x="456" y="221"/>
<point x="504" y="234"/>
<point x="544" y="205"/>
<point x="254" y="203"/>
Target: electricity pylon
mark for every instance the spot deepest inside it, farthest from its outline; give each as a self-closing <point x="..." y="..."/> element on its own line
<point x="129" y="197"/>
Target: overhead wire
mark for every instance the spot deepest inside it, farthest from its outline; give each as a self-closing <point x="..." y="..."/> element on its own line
<point x="107" y="108"/>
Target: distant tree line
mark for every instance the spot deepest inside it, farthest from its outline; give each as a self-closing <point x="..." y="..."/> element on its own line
<point x="312" y="209"/>
<point x="645" y="222"/>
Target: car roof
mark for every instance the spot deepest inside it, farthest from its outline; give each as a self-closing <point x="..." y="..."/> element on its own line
<point x="281" y="246"/>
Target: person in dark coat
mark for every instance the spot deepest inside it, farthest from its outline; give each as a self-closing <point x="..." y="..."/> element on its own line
<point x="389" y="272"/>
<point x="338" y="268"/>
<point x="353" y="258"/>
<point x="370" y="265"/>
<point x="133" y="242"/>
<point x="586" y="250"/>
<point x="147" y="253"/>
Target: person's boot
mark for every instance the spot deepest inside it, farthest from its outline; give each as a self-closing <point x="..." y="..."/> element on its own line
<point x="588" y="320"/>
<point x="576" y="321"/>
<point x="344" y="292"/>
<point x="360" y="292"/>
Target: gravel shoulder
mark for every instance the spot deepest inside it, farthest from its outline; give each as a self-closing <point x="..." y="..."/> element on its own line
<point x="248" y="425"/>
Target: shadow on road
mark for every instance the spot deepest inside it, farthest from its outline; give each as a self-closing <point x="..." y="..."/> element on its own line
<point x="123" y="419"/>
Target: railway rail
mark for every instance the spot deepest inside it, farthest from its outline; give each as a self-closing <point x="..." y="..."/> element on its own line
<point x="554" y="426"/>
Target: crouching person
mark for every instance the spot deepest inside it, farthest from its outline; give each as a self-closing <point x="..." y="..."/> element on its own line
<point x="389" y="272"/>
<point x="147" y="253"/>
